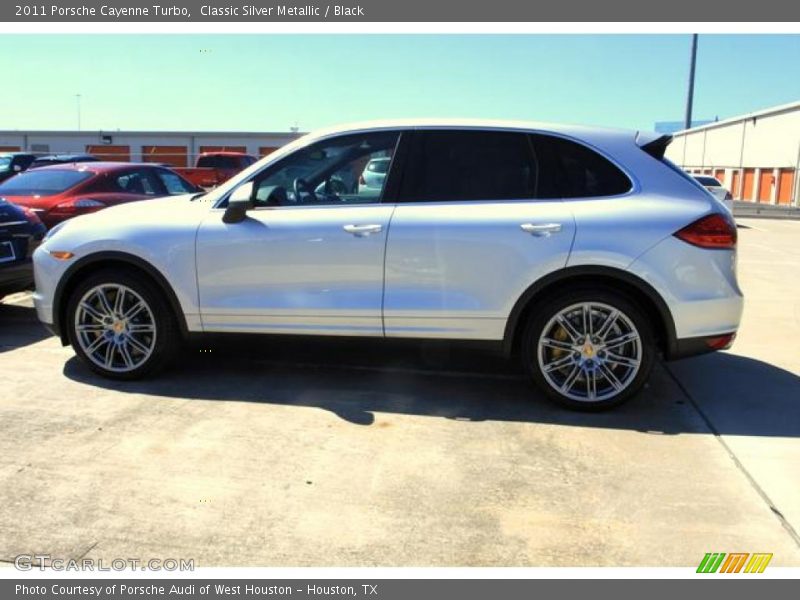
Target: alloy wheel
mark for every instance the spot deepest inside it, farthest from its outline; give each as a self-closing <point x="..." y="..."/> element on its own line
<point x="115" y="327"/>
<point x="589" y="352"/>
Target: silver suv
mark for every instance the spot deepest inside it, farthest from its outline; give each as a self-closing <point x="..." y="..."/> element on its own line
<point x="584" y="252"/>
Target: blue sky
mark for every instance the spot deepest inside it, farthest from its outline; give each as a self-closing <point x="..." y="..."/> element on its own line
<point x="269" y="82"/>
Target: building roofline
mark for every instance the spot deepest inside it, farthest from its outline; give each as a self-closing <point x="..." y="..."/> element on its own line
<point x="781" y="108"/>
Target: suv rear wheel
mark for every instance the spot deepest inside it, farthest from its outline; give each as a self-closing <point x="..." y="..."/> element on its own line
<point x="588" y="349"/>
<point x="121" y="325"/>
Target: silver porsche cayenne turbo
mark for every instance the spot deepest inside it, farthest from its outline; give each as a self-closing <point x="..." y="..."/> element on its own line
<point x="583" y="252"/>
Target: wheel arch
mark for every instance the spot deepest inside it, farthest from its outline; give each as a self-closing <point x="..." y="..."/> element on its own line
<point x="631" y="285"/>
<point x="101" y="260"/>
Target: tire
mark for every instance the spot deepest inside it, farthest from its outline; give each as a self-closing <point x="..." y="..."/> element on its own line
<point x="135" y="327"/>
<point x="588" y="376"/>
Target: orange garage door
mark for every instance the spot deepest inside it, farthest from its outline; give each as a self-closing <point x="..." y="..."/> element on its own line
<point x="765" y="181"/>
<point x="266" y="150"/>
<point x="785" y="186"/>
<point x="747" y="185"/>
<point x="720" y="175"/>
<point x="175" y="156"/>
<point x="9" y="148"/>
<point x="105" y="152"/>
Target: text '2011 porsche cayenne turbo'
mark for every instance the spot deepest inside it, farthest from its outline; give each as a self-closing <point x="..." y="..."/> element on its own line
<point x="582" y="251"/>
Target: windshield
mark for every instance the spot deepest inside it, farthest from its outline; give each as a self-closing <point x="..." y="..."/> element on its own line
<point x="220" y="162"/>
<point x="175" y="184"/>
<point x="43" y="183"/>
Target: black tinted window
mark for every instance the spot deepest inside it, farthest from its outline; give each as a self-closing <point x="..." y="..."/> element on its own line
<point x="709" y="181"/>
<point x="469" y="165"/>
<point x="578" y="171"/>
<point x="221" y="162"/>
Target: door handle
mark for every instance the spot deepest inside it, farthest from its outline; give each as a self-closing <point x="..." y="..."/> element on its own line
<point x="363" y="230"/>
<point x="543" y="230"/>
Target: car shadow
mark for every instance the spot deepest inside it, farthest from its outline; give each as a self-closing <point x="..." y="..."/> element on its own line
<point x="358" y="379"/>
<point x="19" y="326"/>
<point x="741" y="395"/>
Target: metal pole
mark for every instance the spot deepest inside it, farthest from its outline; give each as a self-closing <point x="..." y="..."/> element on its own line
<point x="78" y="100"/>
<point x="690" y="96"/>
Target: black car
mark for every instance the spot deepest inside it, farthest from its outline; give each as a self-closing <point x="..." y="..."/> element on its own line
<point x="21" y="232"/>
<point x="61" y="159"/>
<point x="12" y="163"/>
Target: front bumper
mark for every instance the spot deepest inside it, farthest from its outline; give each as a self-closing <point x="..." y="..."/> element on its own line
<point x="46" y="274"/>
<point x="16" y="276"/>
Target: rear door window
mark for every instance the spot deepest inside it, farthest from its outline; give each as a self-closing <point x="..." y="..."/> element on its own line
<point x="141" y="182"/>
<point x="469" y="166"/>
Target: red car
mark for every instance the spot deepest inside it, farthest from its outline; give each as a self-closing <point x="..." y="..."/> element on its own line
<point x="60" y="192"/>
<point x="214" y="168"/>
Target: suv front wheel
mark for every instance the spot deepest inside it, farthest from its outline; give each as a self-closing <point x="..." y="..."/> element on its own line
<point x="121" y="325"/>
<point x="588" y="349"/>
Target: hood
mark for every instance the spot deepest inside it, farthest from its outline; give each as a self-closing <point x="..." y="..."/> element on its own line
<point x="168" y="209"/>
<point x="10" y="212"/>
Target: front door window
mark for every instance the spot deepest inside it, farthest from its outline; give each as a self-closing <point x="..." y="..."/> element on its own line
<point x="350" y="169"/>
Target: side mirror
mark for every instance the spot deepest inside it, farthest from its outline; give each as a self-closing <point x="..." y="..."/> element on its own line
<point x="239" y="202"/>
<point x="17" y="168"/>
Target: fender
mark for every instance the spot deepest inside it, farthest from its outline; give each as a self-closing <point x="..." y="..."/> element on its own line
<point x="65" y="284"/>
<point x="585" y="273"/>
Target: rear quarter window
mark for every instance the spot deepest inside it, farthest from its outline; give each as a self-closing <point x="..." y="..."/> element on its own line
<point x="578" y="171"/>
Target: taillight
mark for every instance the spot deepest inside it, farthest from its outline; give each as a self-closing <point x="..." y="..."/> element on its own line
<point x="721" y="342"/>
<point x="361" y="180"/>
<point x="712" y="231"/>
<point x="31" y="216"/>
<point x="71" y="207"/>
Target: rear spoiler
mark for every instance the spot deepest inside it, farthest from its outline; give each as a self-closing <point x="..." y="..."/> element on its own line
<point x="655" y="144"/>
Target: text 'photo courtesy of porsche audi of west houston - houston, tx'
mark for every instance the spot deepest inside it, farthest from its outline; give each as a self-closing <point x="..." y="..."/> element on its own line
<point x="582" y="251"/>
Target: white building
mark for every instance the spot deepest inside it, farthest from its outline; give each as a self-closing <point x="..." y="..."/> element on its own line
<point x="175" y="148"/>
<point x="756" y="156"/>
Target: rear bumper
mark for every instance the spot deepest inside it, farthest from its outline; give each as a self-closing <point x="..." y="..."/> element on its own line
<point x="695" y="346"/>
